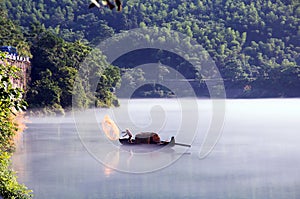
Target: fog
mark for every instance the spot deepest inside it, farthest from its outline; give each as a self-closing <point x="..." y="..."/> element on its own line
<point x="257" y="153"/>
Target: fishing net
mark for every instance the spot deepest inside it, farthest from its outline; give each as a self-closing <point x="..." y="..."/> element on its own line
<point x="110" y="128"/>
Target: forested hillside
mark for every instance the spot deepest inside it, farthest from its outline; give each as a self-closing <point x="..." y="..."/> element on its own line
<point x="55" y="65"/>
<point x="11" y="33"/>
<point x="255" y="44"/>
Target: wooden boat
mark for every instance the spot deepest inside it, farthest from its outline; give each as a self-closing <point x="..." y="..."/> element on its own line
<point x="147" y="138"/>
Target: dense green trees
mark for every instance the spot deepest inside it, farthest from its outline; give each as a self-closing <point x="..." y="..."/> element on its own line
<point x="55" y="62"/>
<point x="109" y="80"/>
<point x="252" y="43"/>
<point x="55" y="65"/>
<point x="10" y="101"/>
<point x="11" y="33"/>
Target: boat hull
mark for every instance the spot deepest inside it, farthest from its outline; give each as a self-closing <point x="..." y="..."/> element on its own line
<point x="128" y="142"/>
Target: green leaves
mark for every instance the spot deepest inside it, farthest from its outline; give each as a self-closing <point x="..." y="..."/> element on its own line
<point x="11" y="100"/>
<point x="11" y="34"/>
<point x="10" y="97"/>
<point x="55" y="65"/>
<point x="257" y="35"/>
<point x="109" y="79"/>
<point x="9" y="187"/>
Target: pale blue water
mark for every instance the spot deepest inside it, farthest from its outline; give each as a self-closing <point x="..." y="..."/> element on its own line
<point x="257" y="156"/>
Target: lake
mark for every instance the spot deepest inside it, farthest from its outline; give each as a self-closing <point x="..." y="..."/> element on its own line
<point x="241" y="149"/>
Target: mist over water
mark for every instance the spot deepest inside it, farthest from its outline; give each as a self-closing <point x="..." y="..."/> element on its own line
<point x="257" y="156"/>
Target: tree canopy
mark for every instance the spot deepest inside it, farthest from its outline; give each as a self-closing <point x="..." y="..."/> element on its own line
<point x="55" y="65"/>
<point x="255" y="44"/>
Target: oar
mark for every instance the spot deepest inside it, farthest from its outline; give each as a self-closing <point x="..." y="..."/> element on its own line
<point x="179" y="144"/>
<point x="172" y="143"/>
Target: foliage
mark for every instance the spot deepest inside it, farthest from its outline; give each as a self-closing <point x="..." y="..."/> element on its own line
<point x="108" y="82"/>
<point x="10" y="101"/>
<point x="55" y="65"/>
<point x="12" y="35"/>
<point x="131" y="79"/>
<point x="252" y="43"/>
<point x="9" y="187"/>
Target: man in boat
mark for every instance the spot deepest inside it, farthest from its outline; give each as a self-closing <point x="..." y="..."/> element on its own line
<point x="128" y="132"/>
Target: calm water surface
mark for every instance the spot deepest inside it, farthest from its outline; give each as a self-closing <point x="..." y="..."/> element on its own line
<point x="257" y="156"/>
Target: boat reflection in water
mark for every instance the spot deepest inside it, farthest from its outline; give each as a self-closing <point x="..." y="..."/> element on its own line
<point x="145" y="153"/>
<point x="112" y="160"/>
<point x="140" y="158"/>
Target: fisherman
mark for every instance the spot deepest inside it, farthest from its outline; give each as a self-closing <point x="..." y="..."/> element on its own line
<point x="128" y="132"/>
